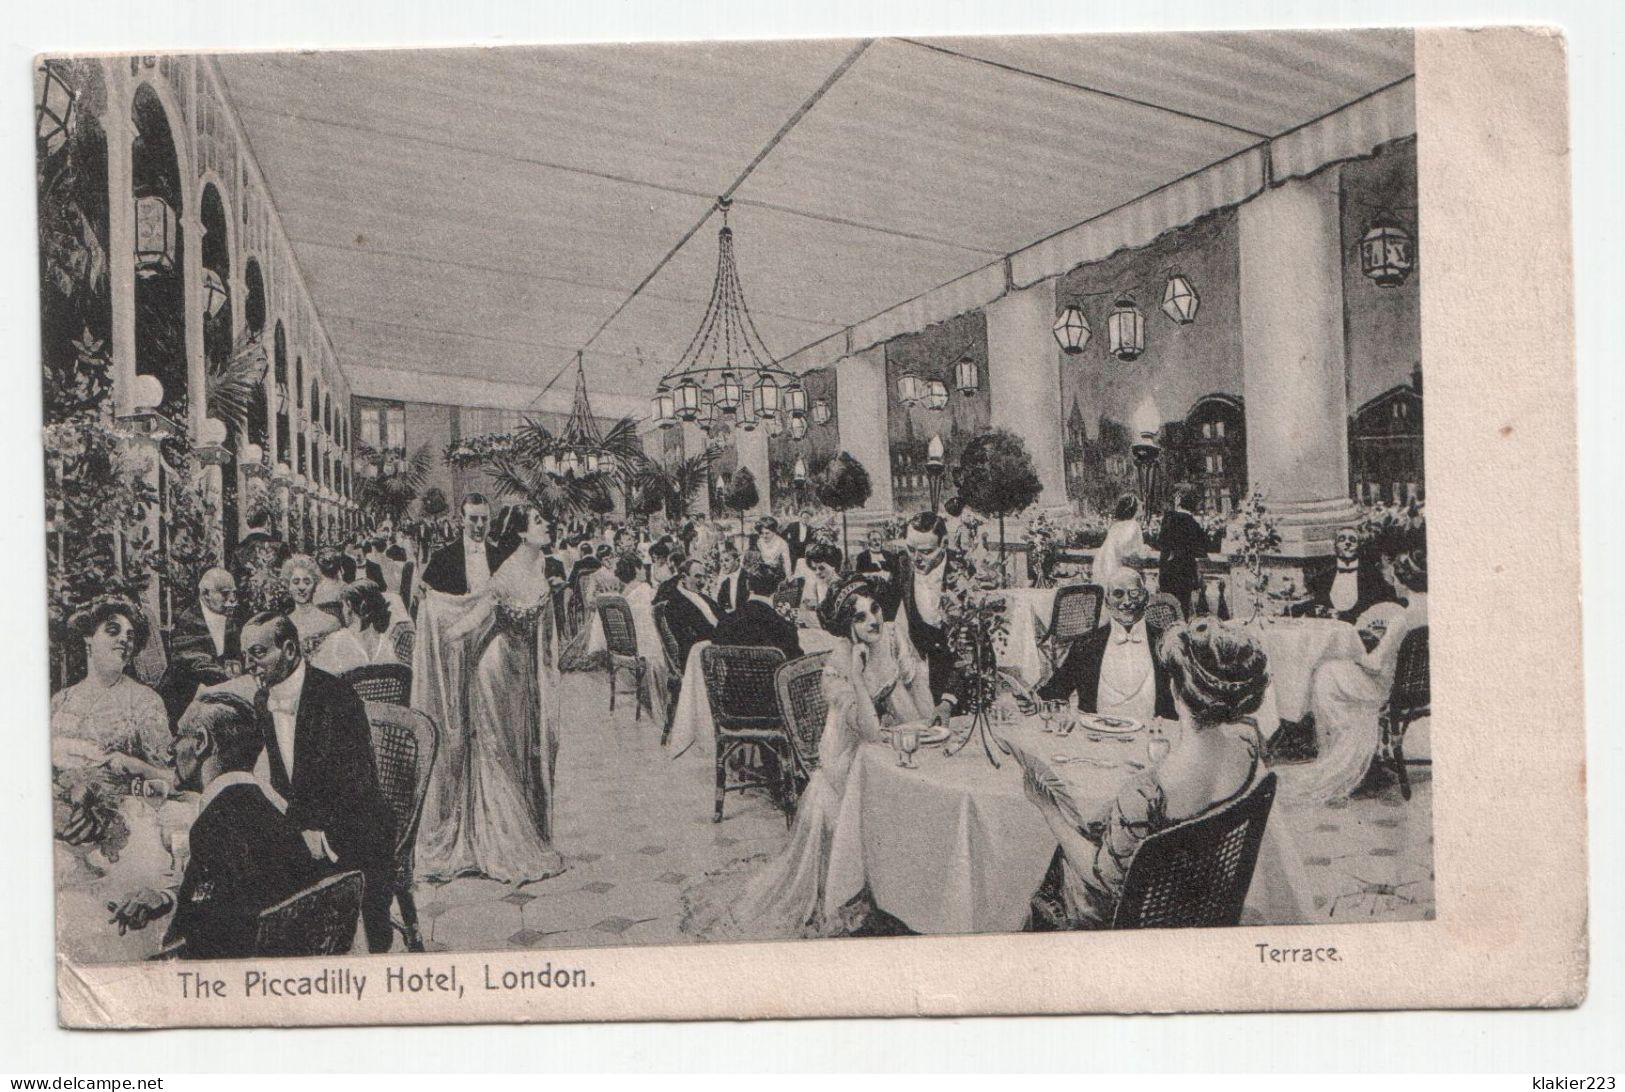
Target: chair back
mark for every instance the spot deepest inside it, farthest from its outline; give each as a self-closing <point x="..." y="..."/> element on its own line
<point x="1197" y="873"/>
<point x="1163" y="611"/>
<point x="1075" y="613"/>
<point x="1412" y="692"/>
<point x="404" y="743"/>
<point x="739" y="684"/>
<point x="620" y="633"/>
<point x="802" y="705"/>
<point x="573" y="611"/>
<point x="318" y="921"/>
<point x="668" y="641"/>
<point x="406" y="642"/>
<point x="381" y="682"/>
<point x="788" y="597"/>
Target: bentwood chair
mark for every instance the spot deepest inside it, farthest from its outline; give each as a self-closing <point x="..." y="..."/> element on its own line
<point x="318" y="921"/>
<point x="1074" y="614"/>
<point x="674" y="667"/>
<point x="745" y="712"/>
<point x="1164" y="611"/>
<point x="404" y="743"/>
<point x="621" y="640"/>
<point x="1408" y="702"/>
<point x="390" y="683"/>
<point x="799" y="685"/>
<point x="406" y="642"/>
<point x="1196" y="873"/>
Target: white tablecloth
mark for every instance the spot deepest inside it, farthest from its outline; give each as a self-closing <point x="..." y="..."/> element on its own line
<point x="691" y="723"/>
<point x="1026" y="609"/>
<point x="1295" y="647"/>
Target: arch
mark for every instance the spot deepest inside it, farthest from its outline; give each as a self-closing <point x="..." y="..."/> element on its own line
<point x="254" y="311"/>
<point x="159" y="169"/>
<point x="175" y="120"/>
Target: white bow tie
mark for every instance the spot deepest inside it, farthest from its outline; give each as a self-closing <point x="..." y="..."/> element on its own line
<point x="1129" y="639"/>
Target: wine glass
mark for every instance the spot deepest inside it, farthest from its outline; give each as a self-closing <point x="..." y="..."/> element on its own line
<point x="1157" y="745"/>
<point x="1046" y="713"/>
<point x="909" y="742"/>
<point x="897" y="744"/>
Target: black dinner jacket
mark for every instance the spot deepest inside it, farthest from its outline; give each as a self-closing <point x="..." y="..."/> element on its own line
<point x="687" y="622"/>
<point x="1079" y="673"/>
<point x="732" y="591"/>
<point x="245" y="856"/>
<point x="447" y="571"/>
<point x="797" y="536"/>
<point x="931" y="642"/>
<point x="193" y="662"/>
<point x="1183" y="544"/>
<point x="1370" y="588"/>
<point x="334" y="788"/>
<point x="757" y="625"/>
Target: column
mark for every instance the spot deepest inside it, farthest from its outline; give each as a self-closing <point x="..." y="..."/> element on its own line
<point x="197" y="368"/>
<point x="751" y="450"/>
<point x="860" y="409"/>
<point x="1294" y="371"/>
<point x="1024" y="379"/>
<point x="120" y="241"/>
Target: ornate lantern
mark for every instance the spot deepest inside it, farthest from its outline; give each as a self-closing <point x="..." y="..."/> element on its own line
<point x="210" y="448"/>
<point x="568" y="463"/>
<point x="727" y="394"/>
<point x="550" y="465"/>
<point x="820" y="411"/>
<point x="798" y="473"/>
<point x="1386" y="253"/>
<point x="795" y="400"/>
<point x="1071" y="330"/>
<point x="910" y="391"/>
<point x="1179" y="300"/>
<point x="154" y="236"/>
<point x="767" y="397"/>
<point x="53" y="107"/>
<point x="1125" y="330"/>
<point x="688" y="400"/>
<point x="798" y="428"/>
<point x="967" y="376"/>
<point x="935" y="452"/>
<point x="775" y="426"/>
<point x="936" y="395"/>
<point x="591" y="462"/>
<point x="664" y="407"/>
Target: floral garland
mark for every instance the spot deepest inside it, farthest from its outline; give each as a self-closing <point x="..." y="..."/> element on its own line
<point x="476" y="450"/>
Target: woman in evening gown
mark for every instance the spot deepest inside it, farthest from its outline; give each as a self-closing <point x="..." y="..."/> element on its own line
<point x="871" y="679"/>
<point x="504" y="829"/>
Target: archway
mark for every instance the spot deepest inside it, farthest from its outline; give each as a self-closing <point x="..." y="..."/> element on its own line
<point x="234" y="379"/>
<point x="160" y="308"/>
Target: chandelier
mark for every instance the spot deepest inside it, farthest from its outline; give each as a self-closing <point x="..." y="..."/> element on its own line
<point x="579" y="450"/>
<point x="727" y="376"/>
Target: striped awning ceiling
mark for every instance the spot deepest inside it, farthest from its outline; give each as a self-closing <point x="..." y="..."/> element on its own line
<point x="488" y="212"/>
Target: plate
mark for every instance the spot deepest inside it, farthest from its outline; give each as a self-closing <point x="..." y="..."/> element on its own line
<point x="929" y="737"/>
<point x="1114" y="726"/>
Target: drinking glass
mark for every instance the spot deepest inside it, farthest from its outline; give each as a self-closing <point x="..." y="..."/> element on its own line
<point x="897" y="745"/>
<point x="1156" y="745"/>
<point x="1046" y="713"/>
<point x="909" y="742"/>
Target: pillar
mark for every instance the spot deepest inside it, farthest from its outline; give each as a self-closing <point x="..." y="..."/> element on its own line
<point x="1294" y="371"/>
<point x="1024" y="380"/>
<point x="860" y="407"/>
<point x="120" y="242"/>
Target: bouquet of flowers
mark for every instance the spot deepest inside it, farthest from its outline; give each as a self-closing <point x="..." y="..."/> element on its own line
<point x="1044" y="539"/>
<point x="977" y="626"/>
<point x="1259" y="537"/>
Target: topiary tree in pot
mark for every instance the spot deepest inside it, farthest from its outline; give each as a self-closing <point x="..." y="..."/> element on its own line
<point x="997" y="479"/>
<point x="842" y="486"/>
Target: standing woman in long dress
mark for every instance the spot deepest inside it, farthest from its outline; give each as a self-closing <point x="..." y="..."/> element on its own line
<point x="505" y="829"/>
<point x="1123" y="539"/>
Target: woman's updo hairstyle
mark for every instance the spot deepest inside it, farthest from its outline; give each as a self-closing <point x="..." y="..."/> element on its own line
<point x="1411" y="569"/>
<point x="1219" y="671"/>
<point x="91" y="618"/>
<point x="366" y="601"/>
<point x="841" y="605"/>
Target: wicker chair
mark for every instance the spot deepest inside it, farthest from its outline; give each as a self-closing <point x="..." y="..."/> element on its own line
<point x="803" y="708"/>
<point x="1164" y="611"/>
<point x="1075" y="613"/>
<point x="674" y="667"/>
<point x="1410" y="700"/>
<point x="788" y="596"/>
<point x="404" y="743"/>
<point x="745" y="711"/>
<point x="621" y="638"/>
<point x="390" y="683"/>
<point x="318" y="921"/>
<point x="1196" y="873"/>
<point x="406" y="642"/>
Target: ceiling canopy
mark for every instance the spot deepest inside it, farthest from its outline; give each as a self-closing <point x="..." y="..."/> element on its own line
<point x="485" y="213"/>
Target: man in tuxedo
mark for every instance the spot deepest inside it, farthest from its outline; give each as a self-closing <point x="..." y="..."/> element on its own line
<point x="797" y="536"/>
<point x="877" y="563"/>
<point x="372" y="566"/>
<point x="664" y="564"/>
<point x="245" y="854"/>
<point x="1347" y="586"/>
<point x="1183" y="544"/>
<point x="731" y="591"/>
<point x="921" y="576"/>
<point x="317" y="754"/>
<point x="467" y="564"/>
<point x="586" y="562"/>
<point x="756" y="624"/>
<point x="205" y="647"/>
<point x="1115" y="671"/>
<point x="691" y="614"/>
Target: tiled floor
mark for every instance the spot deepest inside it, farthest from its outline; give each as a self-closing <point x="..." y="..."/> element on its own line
<point x="636" y="828"/>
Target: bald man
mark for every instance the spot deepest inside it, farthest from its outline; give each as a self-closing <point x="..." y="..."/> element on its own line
<point x="205" y="647"/>
<point x="1115" y="670"/>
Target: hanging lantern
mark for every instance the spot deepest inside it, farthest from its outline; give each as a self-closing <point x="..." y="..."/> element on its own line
<point x="664" y="407"/>
<point x="798" y="473"/>
<point x="820" y="411"/>
<point x="592" y="462"/>
<point x="568" y="464"/>
<point x="1386" y="253"/>
<point x="798" y="428"/>
<point x="745" y="418"/>
<point x="910" y="391"/>
<point x="214" y="293"/>
<point x="1071" y="330"/>
<point x="253" y="454"/>
<point x="550" y="464"/>
<point x="935" y="452"/>
<point x="154" y="236"/>
<point x="775" y="426"/>
<point x="1125" y="330"/>
<point x="795" y="400"/>
<point x="53" y="107"/>
<point x="727" y="393"/>
<point x="687" y="400"/>
<point x="967" y="376"/>
<point x="767" y="397"/>
<point x="1179" y="300"/>
<point x="936" y="395"/>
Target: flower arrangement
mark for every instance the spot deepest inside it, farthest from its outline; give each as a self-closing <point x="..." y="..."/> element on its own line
<point x="474" y="451"/>
<point x="1044" y="539"/>
<point x="1257" y="538"/>
<point x="977" y="625"/>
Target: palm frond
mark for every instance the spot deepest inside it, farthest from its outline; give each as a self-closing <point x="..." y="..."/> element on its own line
<point x="231" y="384"/>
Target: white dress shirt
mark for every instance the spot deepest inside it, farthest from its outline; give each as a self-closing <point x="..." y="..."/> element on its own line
<point x="283" y="703"/>
<point x="1128" y="686"/>
<point x="1346" y="586"/>
<point x="928" y="593"/>
<point x="476" y="566"/>
<point x="217" y="629"/>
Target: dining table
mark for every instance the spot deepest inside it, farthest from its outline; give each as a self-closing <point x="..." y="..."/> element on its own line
<point x="692" y="729"/>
